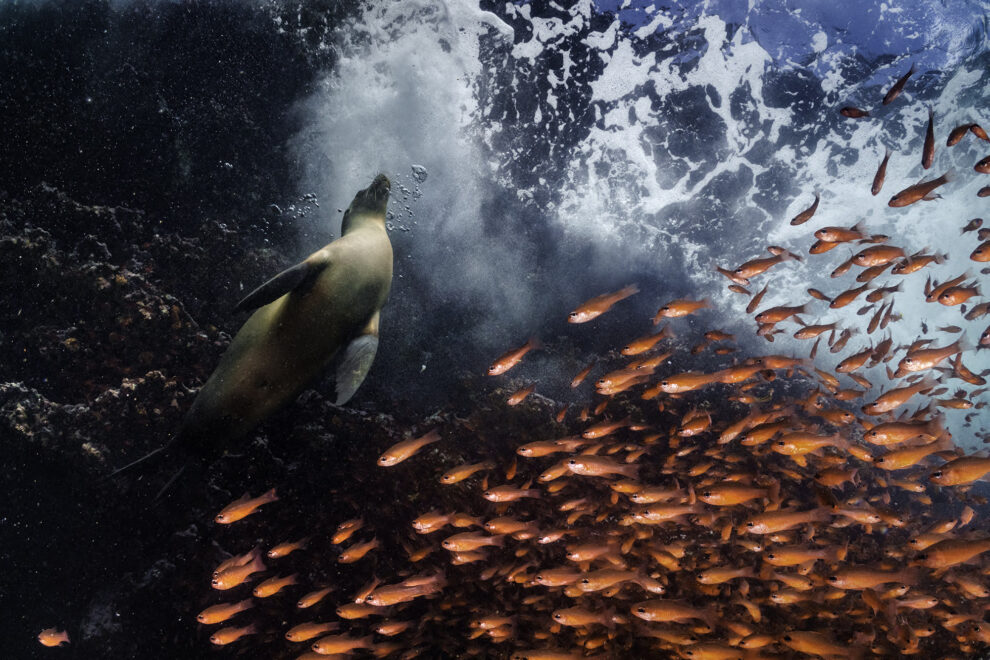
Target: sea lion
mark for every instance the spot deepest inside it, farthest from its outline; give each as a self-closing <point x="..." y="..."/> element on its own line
<point x="303" y="317"/>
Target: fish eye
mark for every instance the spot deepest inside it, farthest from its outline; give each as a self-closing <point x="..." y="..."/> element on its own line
<point x="780" y="443"/>
<point x="833" y="578"/>
<point x="707" y="493"/>
<point x="937" y="474"/>
<point x="641" y="610"/>
<point x="664" y="383"/>
<point x="572" y="314"/>
<point x="213" y="638"/>
<point x="749" y="524"/>
<point x="923" y="556"/>
<point x="908" y="360"/>
<point x="572" y="462"/>
<point x="585" y="581"/>
<point x="539" y="577"/>
<point x="770" y="555"/>
<point x="878" y="459"/>
<point x="557" y="615"/>
<point x="665" y="308"/>
<point x="787" y="638"/>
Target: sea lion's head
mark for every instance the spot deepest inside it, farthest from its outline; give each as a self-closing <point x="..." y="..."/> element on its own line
<point x="370" y="201"/>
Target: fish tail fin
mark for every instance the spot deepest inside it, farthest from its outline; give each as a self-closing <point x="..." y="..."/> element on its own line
<point x="535" y="343"/>
<point x="270" y="496"/>
<point x="630" y="471"/>
<point x="629" y="290"/>
<point x="949" y="176"/>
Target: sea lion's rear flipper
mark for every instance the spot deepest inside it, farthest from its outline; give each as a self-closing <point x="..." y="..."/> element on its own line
<point x="356" y="364"/>
<point x="286" y="281"/>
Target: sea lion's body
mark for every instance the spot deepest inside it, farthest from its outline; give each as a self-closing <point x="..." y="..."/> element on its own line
<point x="332" y="300"/>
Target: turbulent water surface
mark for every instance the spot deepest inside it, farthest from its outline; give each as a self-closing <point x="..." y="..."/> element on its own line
<point x="162" y="158"/>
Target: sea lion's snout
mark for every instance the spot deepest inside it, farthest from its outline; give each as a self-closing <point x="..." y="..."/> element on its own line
<point x="380" y="186"/>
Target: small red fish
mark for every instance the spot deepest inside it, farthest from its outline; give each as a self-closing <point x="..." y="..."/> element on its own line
<point x="853" y="112"/>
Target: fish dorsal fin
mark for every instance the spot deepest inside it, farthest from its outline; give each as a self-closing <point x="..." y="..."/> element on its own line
<point x="288" y="280"/>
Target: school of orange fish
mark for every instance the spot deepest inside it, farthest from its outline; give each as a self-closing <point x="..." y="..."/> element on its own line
<point x="759" y="510"/>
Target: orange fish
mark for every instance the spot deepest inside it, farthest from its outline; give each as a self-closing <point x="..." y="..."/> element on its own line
<point x="891" y="433"/>
<point x="512" y="358"/>
<point x="223" y="611"/>
<point x="878" y="254"/>
<point x="468" y="541"/>
<point x="602" y="429"/>
<point x="896" y="90"/>
<point x="983" y="166"/>
<point x="847" y="297"/>
<point x="817" y="644"/>
<point x="957" y="134"/>
<point x="686" y="382"/>
<point x="273" y="585"/>
<point x="598" y="305"/>
<point x="403" y="450"/>
<point x="646" y="342"/>
<point x="920" y="359"/>
<point x="460" y="473"/>
<point x="582" y="375"/>
<point x="897" y="397"/>
<point x="778" y="314"/>
<point x="934" y="292"/>
<point x="961" y="471"/>
<point x="950" y="552"/>
<point x="916" y="262"/>
<point x="754" y="267"/>
<point x="869" y="578"/>
<point x="731" y="493"/>
<point x="341" y="644"/>
<point x="307" y="631"/>
<point x="234" y="575"/>
<point x="599" y="466"/>
<point x="509" y="493"/>
<point x="520" y="395"/>
<point x="755" y="301"/>
<point x="771" y="522"/>
<point x="853" y="112"/>
<point x="346" y="529"/>
<point x="919" y="191"/>
<point x="678" y="308"/>
<point x="899" y="459"/>
<point x="928" y="152"/>
<point x="244" y="507"/>
<point x="806" y="214"/>
<point x="956" y="295"/>
<point x="229" y="635"/>
<point x="283" y="549"/>
<point x="357" y="551"/>
<point x="53" y="637"/>
<point x="672" y="610"/>
<point x="312" y="598"/>
<point x="841" y="234"/>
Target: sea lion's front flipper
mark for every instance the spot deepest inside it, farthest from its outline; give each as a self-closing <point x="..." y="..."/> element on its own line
<point x="356" y="363"/>
<point x="286" y="281"/>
